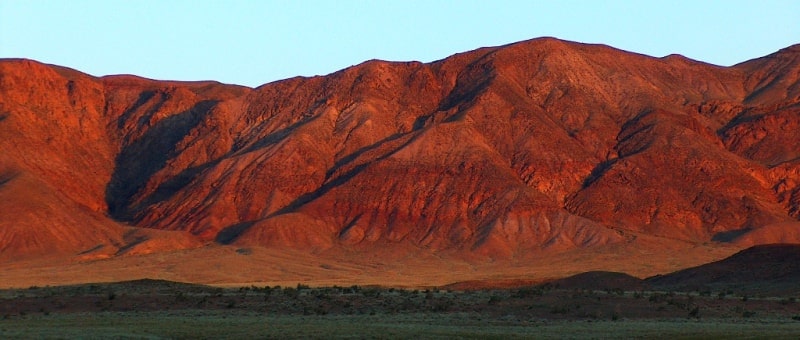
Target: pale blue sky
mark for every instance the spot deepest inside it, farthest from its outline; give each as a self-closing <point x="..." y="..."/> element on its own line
<point x="255" y="42"/>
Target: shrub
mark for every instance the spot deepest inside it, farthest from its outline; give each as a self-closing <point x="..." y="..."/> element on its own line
<point x="290" y="292"/>
<point x="528" y="292"/>
<point x="656" y="297"/>
<point x="695" y="312"/>
<point x="180" y="297"/>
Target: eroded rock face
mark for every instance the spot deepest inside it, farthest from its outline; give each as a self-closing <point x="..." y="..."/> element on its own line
<point x="543" y="144"/>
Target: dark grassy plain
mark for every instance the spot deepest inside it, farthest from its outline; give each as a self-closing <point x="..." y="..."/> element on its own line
<point x="162" y="309"/>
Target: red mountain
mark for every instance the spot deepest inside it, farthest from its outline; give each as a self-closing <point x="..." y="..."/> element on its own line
<point x="498" y="152"/>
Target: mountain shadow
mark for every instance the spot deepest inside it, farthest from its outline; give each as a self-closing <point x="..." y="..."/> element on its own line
<point x="142" y="158"/>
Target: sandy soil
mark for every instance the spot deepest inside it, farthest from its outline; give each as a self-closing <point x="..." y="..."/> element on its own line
<point x="236" y="266"/>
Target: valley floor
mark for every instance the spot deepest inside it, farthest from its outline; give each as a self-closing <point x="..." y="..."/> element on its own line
<point x="162" y="309"/>
<point x="238" y="325"/>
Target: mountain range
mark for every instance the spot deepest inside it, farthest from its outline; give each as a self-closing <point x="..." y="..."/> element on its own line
<point x="512" y="152"/>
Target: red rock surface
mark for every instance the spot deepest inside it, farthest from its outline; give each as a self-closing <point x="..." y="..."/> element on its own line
<point x="498" y="152"/>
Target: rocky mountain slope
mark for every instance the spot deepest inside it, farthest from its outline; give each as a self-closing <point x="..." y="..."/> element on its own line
<point x="542" y="145"/>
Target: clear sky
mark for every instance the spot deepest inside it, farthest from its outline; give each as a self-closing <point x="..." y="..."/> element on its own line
<point x="259" y="41"/>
